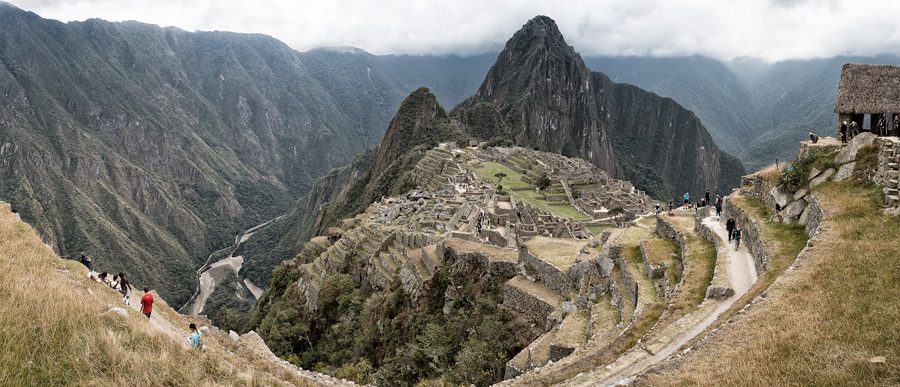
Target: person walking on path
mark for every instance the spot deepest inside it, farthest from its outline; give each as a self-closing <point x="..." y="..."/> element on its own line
<point x="196" y="338"/>
<point x="687" y="198"/>
<point x="706" y="201"/>
<point x="729" y="226"/>
<point x="87" y="262"/>
<point x="718" y="205"/>
<point x="843" y="132"/>
<point x="657" y="208"/>
<point x="737" y="237"/>
<point x="125" y="289"/>
<point x="147" y="303"/>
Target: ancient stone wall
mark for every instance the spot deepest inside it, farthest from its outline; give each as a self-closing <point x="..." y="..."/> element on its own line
<point x="631" y="287"/>
<point x="756" y="187"/>
<point x="750" y="234"/>
<point x="527" y="305"/>
<point x="547" y="273"/>
<point x="653" y="271"/>
<point x="815" y="215"/>
<point x="719" y="288"/>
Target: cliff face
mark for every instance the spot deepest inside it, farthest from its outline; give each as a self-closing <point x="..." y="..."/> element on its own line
<point x="661" y="146"/>
<point x="541" y="90"/>
<point x="540" y="94"/>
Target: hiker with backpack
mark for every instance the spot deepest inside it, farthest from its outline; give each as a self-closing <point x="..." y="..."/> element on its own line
<point x="147" y="303"/>
<point x="718" y="206"/>
<point x="737" y="237"/>
<point x="729" y="227"/>
<point x="196" y="338"/>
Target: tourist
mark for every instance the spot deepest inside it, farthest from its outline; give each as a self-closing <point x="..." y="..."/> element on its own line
<point x="813" y="138"/>
<point x="843" y="132"/>
<point x="87" y="262"/>
<point x="706" y="198"/>
<point x="718" y="206"/>
<point x="882" y="126"/>
<point x="657" y="208"/>
<point x="15" y="213"/>
<point x="147" y="303"/>
<point x="896" y="124"/>
<point x="687" y="199"/>
<point x="854" y="129"/>
<point x="196" y="338"/>
<point x="671" y="205"/>
<point x="125" y="289"/>
<point x="729" y="227"/>
<point x="737" y="237"/>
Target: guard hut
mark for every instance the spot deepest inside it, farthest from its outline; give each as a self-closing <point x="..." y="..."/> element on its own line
<point x="872" y="90"/>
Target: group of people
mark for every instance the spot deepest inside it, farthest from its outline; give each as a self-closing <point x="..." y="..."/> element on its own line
<point x="848" y="131"/>
<point x="119" y="282"/>
<point x="734" y="232"/>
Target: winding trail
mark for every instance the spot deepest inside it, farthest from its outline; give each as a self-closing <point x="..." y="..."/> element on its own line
<point x="741" y="274"/>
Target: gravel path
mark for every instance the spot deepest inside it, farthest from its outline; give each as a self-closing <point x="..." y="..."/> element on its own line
<point x="742" y="275"/>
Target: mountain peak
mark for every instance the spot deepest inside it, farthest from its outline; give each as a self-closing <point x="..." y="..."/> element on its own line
<point x="539" y="31"/>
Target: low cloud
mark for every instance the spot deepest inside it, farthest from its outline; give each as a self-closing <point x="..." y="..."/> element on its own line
<point x="771" y="30"/>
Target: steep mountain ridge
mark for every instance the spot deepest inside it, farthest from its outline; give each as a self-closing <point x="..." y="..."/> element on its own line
<point x="166" y="143"/>
<point x="541" y="94"/>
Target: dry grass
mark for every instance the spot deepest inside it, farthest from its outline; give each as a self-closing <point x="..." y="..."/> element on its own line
<point x="660" y="251"/>
<point x="558" y="252"/>
<point x="821" y="323"/>
<point x="55" y="329"/>
<point x="770" y="173"/>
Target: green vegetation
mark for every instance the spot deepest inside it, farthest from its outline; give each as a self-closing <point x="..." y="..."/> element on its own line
<point x="514" y="180"/>
<point x="542" y="182"/>
<point x="383" y="338"/>
<point x="229" y="304"/>
<point x="796" y="174"/>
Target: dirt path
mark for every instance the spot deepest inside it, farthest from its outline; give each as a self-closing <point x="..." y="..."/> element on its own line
<point x="742" y="275"/>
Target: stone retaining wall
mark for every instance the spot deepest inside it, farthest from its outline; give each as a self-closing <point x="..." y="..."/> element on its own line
<point x="653" y="271"/>
<point x="815" y="215"/>
<point x="719" y="287"/>
<point x="750" y="234"/>
<point x="528" y="306"/>
<point x="476" y="261"/>
<point x="547" y="273"/>
<point x="666" y="230"/>
<point x="631" y="287"/>
<point x="756" y="187"/>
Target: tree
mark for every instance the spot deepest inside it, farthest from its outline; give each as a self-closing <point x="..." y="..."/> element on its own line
<point x="542" y="182"/>
<point x="500" y="176"/>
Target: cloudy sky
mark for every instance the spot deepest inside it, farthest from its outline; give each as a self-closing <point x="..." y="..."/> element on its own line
<point x="767" y="29"/>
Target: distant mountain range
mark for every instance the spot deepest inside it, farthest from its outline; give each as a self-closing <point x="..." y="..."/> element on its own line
<point x="151" y="147"/>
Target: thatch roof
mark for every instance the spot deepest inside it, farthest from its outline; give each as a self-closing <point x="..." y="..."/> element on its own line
<point x="868" y="89"/>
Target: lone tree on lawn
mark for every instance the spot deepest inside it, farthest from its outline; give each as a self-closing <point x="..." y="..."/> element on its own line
<point x="542" y="182"/>
<point x="500" y="176"/>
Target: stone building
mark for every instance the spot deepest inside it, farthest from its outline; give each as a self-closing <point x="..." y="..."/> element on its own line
<point x="873" y="91"/>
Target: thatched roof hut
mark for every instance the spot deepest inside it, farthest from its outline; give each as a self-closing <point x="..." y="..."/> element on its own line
<point x="868" y="89"/>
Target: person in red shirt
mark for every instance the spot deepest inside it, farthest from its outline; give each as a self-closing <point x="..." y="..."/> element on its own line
<point x="147" y="303"/>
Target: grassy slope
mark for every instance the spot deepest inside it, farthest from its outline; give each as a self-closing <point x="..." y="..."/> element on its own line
<point x="55" y="330"/>
<point x="513" y="180"/>
<point x="821" y="323"/>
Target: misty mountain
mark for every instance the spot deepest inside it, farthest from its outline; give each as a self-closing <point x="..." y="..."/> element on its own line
<point x="151" y="147"/>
